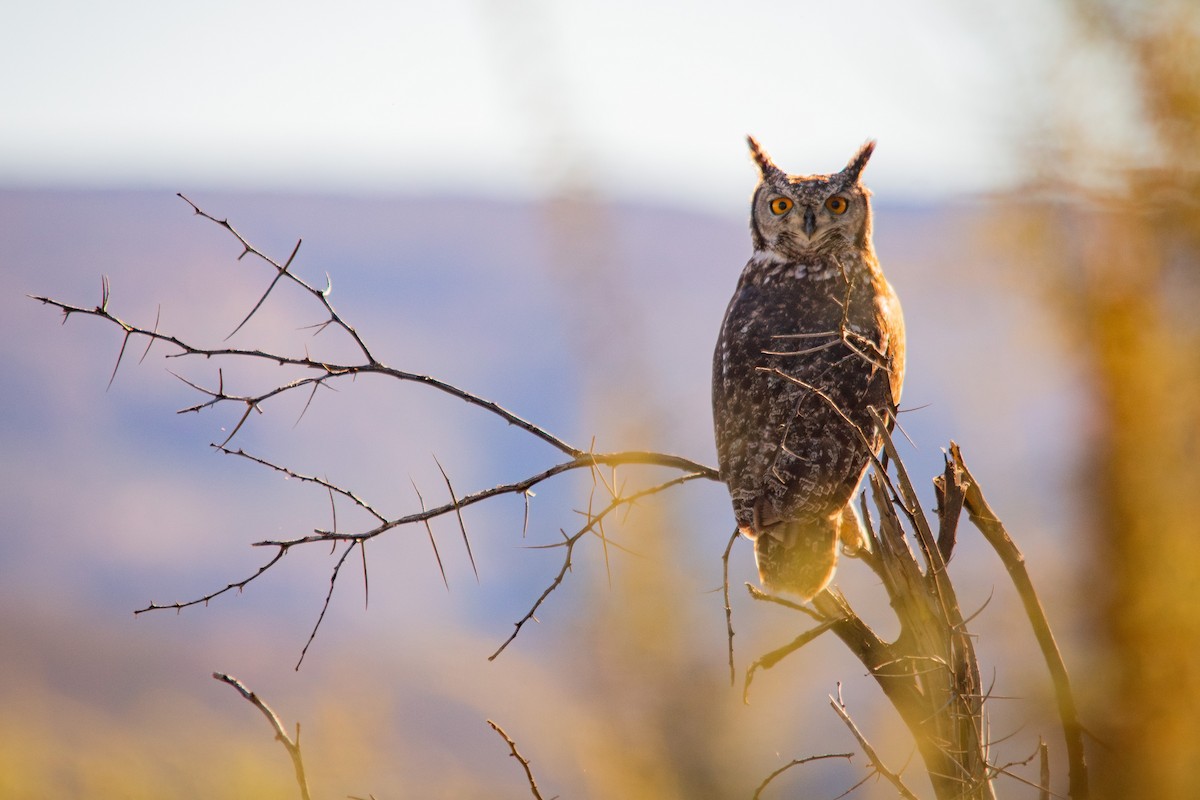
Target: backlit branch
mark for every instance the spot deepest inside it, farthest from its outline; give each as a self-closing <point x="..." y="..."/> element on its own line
<point x="524" y="762"/>
<point x="292" y="745"/>
<point x="876" y="762"/>
<point x="930" y="672"/>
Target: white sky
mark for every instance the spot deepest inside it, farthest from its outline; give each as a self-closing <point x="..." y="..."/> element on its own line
<point x="647" y="99"/>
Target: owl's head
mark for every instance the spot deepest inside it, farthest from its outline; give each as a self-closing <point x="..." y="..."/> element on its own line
<point x="794" y="216"/>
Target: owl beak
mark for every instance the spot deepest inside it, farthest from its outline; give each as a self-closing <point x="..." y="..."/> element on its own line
<point x="810" y="222"/>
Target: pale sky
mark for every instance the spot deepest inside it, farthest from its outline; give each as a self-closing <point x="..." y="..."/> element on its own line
<point x="642" y="99"/>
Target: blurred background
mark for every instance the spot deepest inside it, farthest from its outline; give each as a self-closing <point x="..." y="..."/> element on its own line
<point x="545" y="203"/>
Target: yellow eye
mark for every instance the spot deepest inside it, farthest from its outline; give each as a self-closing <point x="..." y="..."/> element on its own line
<point x="837" y="204"/>
<point x="781" y="205"/>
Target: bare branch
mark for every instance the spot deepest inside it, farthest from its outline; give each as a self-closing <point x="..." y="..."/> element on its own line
<point x="911" y="504"/>
<point x="584" y="461"/>
<point x="728" y="607"/>
<point x="775" y="656"/>
<point x="1041" y="753"/>
<point x="840" y="708"/>
<point x="569" y="543"/>
<point x="512" y="746"/>
<point x="1044" y="771"/>
<point x="326" y="372"/>
<point x="328" y="596"/>
<point x="322" y="482"/>
<point x="322" y="296"/>
<point x="795" y="762"/>
<point x="329" y="370"/>
<point x="759" y="594"/>
<point x="239" y="585"/>
<point x="291" y="745"/>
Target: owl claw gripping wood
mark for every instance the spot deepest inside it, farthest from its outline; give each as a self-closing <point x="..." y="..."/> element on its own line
<point x="812" y="340"/>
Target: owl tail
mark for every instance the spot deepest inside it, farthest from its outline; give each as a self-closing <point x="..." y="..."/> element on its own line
<point x="798" y="556"/>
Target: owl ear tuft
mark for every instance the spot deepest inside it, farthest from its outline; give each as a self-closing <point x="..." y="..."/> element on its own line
<point x="765" y="165"/>
<point x="855" y="167"/>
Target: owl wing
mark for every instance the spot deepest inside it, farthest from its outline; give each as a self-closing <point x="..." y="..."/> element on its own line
<point x="771" y="429"/>
<point x="744" y="410"/>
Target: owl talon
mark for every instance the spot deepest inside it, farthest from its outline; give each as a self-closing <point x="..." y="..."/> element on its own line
<point x="852" y="533"/>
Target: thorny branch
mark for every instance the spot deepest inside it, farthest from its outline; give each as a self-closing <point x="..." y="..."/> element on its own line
<point x="325" y="373"/>
<point x="569" y="542"/>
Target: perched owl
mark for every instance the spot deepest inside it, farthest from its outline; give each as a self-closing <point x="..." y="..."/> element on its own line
<point x="812" y="339"/>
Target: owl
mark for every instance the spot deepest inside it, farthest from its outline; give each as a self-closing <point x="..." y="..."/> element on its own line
<point x="811" y="341"/>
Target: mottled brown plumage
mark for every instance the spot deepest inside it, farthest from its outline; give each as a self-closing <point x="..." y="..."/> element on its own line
<point x="812" y="339"/>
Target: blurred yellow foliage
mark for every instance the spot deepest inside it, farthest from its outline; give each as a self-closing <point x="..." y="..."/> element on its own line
<point x="1120" y="270"/>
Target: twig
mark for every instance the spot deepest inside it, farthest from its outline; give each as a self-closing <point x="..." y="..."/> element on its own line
<point x="569" y="543"/>
<point x="775" y="656"/>
<point x="512" y="746"/>
<point x="911" y="505"/>
<point x="840" y="708"/>
<point x="239" y="585"/>
<point x="291" y="473"/>
<point x="516" y="487"/>
<point x="1044" y="772"/>
<point x="328" y="596"/>
<point x="728" y="607"/>
<point x="794" y="763"/>
<point x="291" y="745"/>
<point x="760" y="595"/>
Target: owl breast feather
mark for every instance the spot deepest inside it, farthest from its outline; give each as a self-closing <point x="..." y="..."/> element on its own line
<point x="798" y="363"/>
